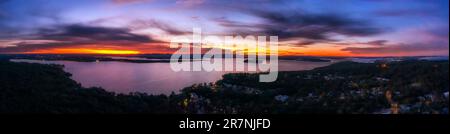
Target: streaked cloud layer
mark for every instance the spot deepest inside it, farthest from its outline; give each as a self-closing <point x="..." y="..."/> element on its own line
<point x="309" y="27"/>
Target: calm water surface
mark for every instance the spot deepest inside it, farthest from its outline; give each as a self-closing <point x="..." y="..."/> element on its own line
<point x="152" y="78"/>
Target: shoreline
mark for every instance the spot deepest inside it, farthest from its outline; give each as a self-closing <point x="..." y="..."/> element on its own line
<point x="142" y="90"/>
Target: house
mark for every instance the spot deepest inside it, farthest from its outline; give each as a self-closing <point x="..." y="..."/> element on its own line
<point x="281" y="98"/>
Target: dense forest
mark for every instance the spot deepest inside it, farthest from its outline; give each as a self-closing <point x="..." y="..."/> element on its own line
<point x="346" y="87"/>
<point x="37" y="88"/>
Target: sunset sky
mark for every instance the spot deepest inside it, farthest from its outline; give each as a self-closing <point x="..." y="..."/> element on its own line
<point x="304" y="27"/>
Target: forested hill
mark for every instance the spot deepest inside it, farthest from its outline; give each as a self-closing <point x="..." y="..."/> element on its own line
<point x="37" y="88"/>
<point x="413" y="86"/>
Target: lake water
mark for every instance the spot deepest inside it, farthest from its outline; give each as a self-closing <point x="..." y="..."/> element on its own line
<point x="151" y="78"/>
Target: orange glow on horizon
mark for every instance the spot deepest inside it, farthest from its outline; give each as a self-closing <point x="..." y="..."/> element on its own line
<point x="82" y="51"/>
<point x="281" y="52"/>
<point x="318" y="50"/>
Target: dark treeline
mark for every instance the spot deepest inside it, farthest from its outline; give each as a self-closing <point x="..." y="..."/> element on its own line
<point x="36" y="88"/>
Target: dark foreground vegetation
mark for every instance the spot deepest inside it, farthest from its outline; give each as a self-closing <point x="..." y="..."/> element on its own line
<point x="36" y="88"/>
<point x="346" y="87"/>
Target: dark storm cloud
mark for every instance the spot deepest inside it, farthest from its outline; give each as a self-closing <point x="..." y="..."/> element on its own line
<point x="315" y="26"/>
<point x="230" y="23"/>
<point x="293" y="25"/>
<point x="305" y="43"/>
<point x="377" y="43"/>
<point x="92" y="34"/>
<point x="78" y="35"/>
<point x="26" y="47"/>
